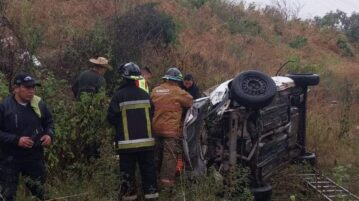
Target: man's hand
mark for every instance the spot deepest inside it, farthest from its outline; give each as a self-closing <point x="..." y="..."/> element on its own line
<point x="25" y="142"/>
<point x="46" y="140"/>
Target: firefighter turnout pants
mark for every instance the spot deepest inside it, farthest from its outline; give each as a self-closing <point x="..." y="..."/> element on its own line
<point x="145" y="160"/>
<point x="167" y="151"/>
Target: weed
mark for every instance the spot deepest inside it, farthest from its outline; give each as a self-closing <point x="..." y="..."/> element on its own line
<point x="344" y="46"/>
<point x="244" y="26"/>
<point x="298" y="42"/>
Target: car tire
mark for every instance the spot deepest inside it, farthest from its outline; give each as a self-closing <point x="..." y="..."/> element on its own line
<point x="305" y="79"/>
<point x="263" y="193"/>
<point x="253" y="89"/>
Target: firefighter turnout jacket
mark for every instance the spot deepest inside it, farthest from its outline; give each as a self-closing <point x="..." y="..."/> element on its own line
<point x="169" y="100"/>
<point x="130" y="112"/>
<point x="142" y="83"/>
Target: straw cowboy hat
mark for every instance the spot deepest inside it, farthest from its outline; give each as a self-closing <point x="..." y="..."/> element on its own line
<point x="102" y="61"/>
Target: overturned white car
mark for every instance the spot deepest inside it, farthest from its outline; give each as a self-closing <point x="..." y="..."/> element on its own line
<point x="252" y="121"/>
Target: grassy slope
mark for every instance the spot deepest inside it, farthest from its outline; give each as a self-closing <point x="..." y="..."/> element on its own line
<point x="207" y="48"/>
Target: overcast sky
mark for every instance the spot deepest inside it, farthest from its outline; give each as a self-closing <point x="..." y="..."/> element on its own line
<point x="312" y="8"/>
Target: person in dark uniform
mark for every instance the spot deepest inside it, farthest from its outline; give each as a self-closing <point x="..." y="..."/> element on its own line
<point x="130" y="112"/>
<point x="26" y="127"/>
<point x="92" y="80"/>
<point x="190" y="86"/>
<point x="143" y="83"/>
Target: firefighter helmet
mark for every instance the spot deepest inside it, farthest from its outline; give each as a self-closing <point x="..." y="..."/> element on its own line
<point x="173" y="74"/>
<point x="130" y="71"/>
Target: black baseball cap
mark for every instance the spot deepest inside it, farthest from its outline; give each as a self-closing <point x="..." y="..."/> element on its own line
<point x="26" y="80"/>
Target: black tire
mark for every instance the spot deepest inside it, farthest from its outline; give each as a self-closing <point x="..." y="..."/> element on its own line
<point x="305" y="79"/>
<point x="263" y="193"/>
<point x="253" y="89"/>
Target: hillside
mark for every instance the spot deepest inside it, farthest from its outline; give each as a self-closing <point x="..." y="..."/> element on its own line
<point x="212" y="39"/>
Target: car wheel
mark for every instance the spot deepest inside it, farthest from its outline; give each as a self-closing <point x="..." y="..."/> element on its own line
<point x="263" y="193"/>
<point x="305" y="79"/>
<point x="253" y="89"/>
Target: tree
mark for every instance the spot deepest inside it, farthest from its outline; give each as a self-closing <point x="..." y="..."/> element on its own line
<point x="333" y="20"/>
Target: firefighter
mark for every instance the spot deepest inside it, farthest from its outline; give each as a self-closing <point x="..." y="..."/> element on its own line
<point x="130" y="112"/>
<point x="143" y="83"/>
<point x="92" y="80"/>
<point x="26" y="127"/>
<point x="169" y="101"/>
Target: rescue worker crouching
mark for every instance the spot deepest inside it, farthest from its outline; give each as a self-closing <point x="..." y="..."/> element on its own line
<point x="169" y="101"/>
<point x="26" y="127"/>
<point x="131" y="113"/>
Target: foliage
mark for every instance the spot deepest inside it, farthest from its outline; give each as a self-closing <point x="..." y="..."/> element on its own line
<point x="78" y="124"/>
<point x="352" y="27"/>
<point x="4" y="89"/>
<point x="344" y="46"/>
<point x="332" y="20"/>
<point x="197" y="3"/>
<point x="340" y="21"/>
<point x="297" y="66"/>
<point x="209" y="187"/>
<point x="2" y="6"/>
<point x="341" y="174"/>
<point x="94" y="43"/>
<point x="245" y="26"/>
<point x="298" y="42"/>
<point x="143" y="26"/>
<point x="347" y="101"/>
<point x="32" y="33"/>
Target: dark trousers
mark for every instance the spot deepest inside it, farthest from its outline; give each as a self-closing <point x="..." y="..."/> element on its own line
<point x="145" y="160"/>
<point x="33" y="171"/>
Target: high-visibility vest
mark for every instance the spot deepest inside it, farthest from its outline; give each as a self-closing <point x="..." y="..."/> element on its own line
<point x="129" y="141"/>
<point x="142" y="84"/>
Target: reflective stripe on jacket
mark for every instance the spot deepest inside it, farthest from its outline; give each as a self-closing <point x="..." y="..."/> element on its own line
<point x="142" y="84"/>
<point x="130" y="112"/>
<point x="169" y="100"/>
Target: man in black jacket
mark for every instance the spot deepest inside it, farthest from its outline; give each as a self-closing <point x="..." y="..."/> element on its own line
<point x="131" y="113"/>
<point x="190" y="86"/>
<point x="26" y="126"/>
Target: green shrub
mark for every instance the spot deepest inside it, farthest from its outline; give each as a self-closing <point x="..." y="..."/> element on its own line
<point x="297" y="66"/>
<point x="144" y="26"/>
<point x="94" y="43"/>
<point x="4" y="89"/>
<point x="2" y="6"/>
<point x="196" y="3"/>
<point x="244" y="26"/>
<point x="344" y="46"/>
<point x="298" y="42"/>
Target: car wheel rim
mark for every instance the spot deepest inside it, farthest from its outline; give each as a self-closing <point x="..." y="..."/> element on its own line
<point x="254" y="86"/>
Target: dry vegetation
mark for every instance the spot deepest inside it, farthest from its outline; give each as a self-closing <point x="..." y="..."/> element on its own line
<point x="216" y="41"/>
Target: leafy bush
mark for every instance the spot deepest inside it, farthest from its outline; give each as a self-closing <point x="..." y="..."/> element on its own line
<point x="297" y="66"/>
<point x="94" y="43"/>
<point x="4" y="90"/>
<point x="344" y="46"/>
<point x="144" y="26"/>
<point x="298" y="42"/>
<point x="197" y="3"/>
<point x="245" y="26"/>
<point x="2" y="6"/>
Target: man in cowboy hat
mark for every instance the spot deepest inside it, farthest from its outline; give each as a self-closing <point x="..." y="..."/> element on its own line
<point x="90" y="81"/>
